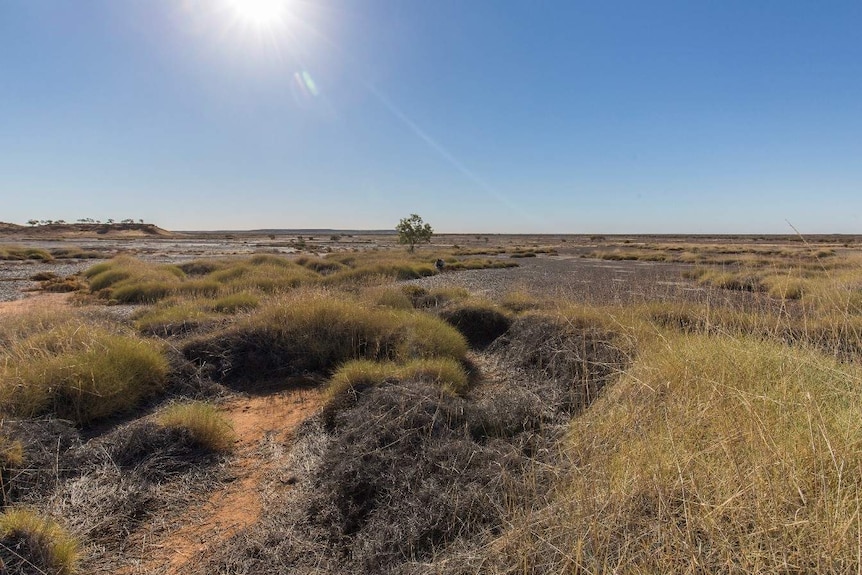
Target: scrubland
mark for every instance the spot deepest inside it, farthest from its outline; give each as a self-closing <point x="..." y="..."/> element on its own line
<point x="459" y="431"/>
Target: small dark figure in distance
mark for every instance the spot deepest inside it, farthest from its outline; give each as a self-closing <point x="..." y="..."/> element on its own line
<point x="439" y="264"/>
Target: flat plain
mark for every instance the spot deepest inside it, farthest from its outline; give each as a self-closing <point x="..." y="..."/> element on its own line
<point x="326" y="402"/>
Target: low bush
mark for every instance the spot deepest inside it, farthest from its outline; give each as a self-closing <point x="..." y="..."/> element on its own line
<point x="33" y="544"/>
<point x="207" y="426"/>
<point x="575" y="351"/>
<point x="63" y="285"/>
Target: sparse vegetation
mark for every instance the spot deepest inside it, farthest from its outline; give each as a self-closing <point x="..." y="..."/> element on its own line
<point x="712" y="428"/>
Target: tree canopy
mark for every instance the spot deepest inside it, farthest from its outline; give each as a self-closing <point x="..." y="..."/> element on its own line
<point x="413" y="230"/>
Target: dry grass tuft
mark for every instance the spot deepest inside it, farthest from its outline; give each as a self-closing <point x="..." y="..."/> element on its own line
<point x="78" y="372"/>
<point x="208" y="428"/>
<point x="358" y="375"/>
<point x="33" y="544"/>
<point x="314" y="332"/>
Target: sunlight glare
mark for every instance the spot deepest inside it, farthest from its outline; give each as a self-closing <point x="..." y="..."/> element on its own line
<point x="260" y="12"/>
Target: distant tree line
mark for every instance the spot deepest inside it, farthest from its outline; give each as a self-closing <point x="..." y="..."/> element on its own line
<point x="109" y="221"/>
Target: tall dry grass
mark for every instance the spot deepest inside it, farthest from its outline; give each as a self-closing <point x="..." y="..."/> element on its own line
<point x="711" y="454"/>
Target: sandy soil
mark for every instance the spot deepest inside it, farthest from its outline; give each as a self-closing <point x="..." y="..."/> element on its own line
<point x="236" y="505"/>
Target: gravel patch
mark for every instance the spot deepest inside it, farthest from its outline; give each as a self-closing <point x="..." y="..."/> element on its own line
<point x="15" y="275"/>
<point x="590" y="281"/>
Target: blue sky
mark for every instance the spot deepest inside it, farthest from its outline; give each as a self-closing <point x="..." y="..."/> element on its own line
<point x="480" y="115"/>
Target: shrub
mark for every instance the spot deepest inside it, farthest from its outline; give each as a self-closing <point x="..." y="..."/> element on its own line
<point x="30" y="543"/>
<point x="207" y="426"/>
<point x="62" y="285"/>
<point x="79" y="373"/>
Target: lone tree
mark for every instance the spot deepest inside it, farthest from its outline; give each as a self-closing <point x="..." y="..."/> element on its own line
<point x="413" y="230"/>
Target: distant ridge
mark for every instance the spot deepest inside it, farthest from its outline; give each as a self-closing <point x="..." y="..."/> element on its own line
<point x="62" y="231"/>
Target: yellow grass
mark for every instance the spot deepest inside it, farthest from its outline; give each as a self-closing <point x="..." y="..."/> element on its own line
<point x="203" y="421"/>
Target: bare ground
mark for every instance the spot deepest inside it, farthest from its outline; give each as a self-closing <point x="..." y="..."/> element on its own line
<point x="237" y="503"/>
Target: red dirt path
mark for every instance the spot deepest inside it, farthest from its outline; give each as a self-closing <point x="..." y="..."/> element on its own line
<point x="237" y="504"/>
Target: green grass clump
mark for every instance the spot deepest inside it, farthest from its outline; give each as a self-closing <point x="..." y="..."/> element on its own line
<point x="732" y="454"/>
<point x="263" y="273"/>
<point x="24" y="253"/>
<point x="361" y="373"/>
<point x="127" y="280"/>
<point x="323" y="266"/>
<point x="202" y="267"/>
<point x="30" y="543"/>
<point x="316" y="331"/>
<point x="445" y="372"/>
<point x="78" y="372"/>
<point x="202" y="420"/>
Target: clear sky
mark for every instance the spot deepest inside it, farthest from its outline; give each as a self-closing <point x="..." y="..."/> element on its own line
<point x="690" y="116"/>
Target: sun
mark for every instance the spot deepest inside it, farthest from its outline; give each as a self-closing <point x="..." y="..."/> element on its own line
<point x="260" y="12"/>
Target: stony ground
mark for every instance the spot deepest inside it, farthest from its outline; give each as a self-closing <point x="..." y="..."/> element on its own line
<point x="590" y="281"/>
